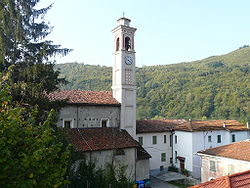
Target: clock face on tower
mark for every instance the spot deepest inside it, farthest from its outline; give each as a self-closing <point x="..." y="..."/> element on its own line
<point x="128" y="60"/>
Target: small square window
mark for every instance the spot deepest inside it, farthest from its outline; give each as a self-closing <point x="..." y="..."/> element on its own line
<point x="119" y="152"/>
<point x="154" y="140"/>
<point x="212" y="166"/>
<point x="67" y="124"/>
<point x="140" y="140"/>
<point x="233" y="137"/>
<point x="209" y="138"/>
<point x="163" y="157"/>
<point x="165" y="139"/>
<point x="218" y="138"/>
<point x="104" y="122"/>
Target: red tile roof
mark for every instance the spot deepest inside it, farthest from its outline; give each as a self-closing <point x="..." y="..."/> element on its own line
<point x="94" y="139"/>
<point x="207" y="125"/>
<point x="237" y="150"/>
<point x="148" y="126"/>
<point x="238" y="180"/>
<point x="84" y="97"/>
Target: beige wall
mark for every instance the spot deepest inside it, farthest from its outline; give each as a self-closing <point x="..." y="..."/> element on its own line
<point x="142" y="169"/>
<point x="102" y="158"/>
<point x="224" y="166"/>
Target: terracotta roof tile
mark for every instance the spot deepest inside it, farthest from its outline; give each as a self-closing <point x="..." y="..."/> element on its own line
<point x="222" y="182"/>
<point x="238" y="180"/>
<point x="237" y="150"/>
<point x="148" y="126"/>
<point x="84" y="97"/>
<point x="207" y="125"/>
<point x="94" y="139"/>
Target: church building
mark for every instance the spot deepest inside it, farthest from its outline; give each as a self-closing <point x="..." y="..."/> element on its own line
<point x="103" y="124"/>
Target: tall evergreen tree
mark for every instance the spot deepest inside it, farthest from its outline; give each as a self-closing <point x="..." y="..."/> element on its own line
<point x="23" y="32"/>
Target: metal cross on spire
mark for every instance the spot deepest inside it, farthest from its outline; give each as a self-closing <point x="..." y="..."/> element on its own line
<point x="123" y="14"/>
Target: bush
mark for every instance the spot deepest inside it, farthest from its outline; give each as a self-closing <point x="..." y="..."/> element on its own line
<point x="172" y="168"/>
<point x="85" y="174"/>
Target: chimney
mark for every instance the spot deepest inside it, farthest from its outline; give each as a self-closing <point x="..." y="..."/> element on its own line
<point x="224" y="124"/>
<point x="190" y="124"/>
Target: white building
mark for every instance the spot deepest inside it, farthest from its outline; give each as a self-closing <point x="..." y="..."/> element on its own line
<point x="104" y="123"/>
<point x="224" y="160"/>
<point x="156" y="138"/>
<point x="193" y="136"/>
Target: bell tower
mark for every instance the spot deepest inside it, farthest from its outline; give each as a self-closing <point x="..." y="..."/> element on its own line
<point x="124" y="84"/>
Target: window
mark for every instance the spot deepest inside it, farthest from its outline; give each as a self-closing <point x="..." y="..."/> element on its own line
<point x="165" y="139"/>
<point x="233" y="137"/>
<point x="127" y="43"/>
<point x="171" y="141"/>
<point x="209" y="138"/>
<point x="68" y="123"/>
<point x="128" y="76"/>
<point x="212" y="166"/>
<point x="218" y="138"/>
<point x="175" y="139"/>
<point x="163" y="157"/>
<point x="175" y="155"/>
<point x="119" y="152"/>
<point x="140" y="140"/>
<point x="154" y="141"/>
<point x="104" y="122"/>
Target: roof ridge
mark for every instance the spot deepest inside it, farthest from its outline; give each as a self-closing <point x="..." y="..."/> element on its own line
<point x="234" y="143"/>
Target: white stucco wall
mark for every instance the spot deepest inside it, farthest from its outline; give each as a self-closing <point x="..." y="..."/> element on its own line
<point x="189" y="143"/>
<point x="183" y="148"/>
<point x="89" y="116"/>
<point x="224" y="166"/>
<point x="155" y="150"/>
<point x="102" y="158"/>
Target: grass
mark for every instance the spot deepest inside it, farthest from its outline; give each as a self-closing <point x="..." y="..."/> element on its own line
<point x="179" y="185"/>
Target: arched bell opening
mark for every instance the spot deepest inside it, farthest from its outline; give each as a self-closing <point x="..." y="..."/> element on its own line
<point x="117" y="44"/>
<point x="127" y="43"/>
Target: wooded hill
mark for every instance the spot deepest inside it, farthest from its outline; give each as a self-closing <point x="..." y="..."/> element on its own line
<point x="217" y="87"/>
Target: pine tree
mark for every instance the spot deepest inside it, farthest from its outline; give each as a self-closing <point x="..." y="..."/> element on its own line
<point x="23" y="32"/>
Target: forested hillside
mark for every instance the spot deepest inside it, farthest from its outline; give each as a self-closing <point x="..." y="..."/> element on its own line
<point x="217" y="87"/>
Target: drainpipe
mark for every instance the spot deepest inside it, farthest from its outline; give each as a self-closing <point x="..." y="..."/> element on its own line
<point x="172" y="144"/>
<point x="204" y="140"/>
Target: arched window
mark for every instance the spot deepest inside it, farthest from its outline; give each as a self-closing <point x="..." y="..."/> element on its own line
<point x="127" y="43"/>
<point x="117" y="44"/>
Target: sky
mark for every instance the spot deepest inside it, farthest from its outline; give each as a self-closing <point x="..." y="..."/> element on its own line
<point x="168" y="31"/>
